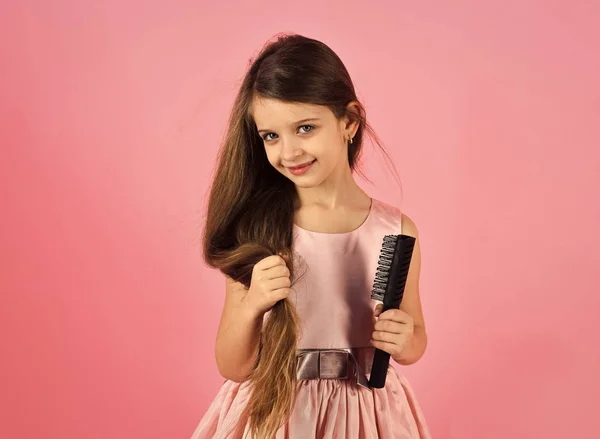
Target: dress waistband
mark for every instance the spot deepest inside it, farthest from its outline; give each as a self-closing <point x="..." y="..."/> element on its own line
<point x="335" y="364"/>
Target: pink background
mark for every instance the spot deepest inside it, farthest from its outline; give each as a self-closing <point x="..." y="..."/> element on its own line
<point x="111" y="113"/>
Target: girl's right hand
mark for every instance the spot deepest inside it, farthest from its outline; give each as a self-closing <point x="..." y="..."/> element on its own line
<point x="270" y="283"/>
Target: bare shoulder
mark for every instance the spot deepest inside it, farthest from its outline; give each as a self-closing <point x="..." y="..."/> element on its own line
<point x="409" y="227"/>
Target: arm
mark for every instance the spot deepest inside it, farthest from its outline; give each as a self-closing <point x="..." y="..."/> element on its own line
<point x="238" y="336"/>
<point x="411" y="302"/>
<point x="401" y="332"/>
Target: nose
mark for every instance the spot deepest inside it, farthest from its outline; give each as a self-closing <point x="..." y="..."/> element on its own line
<point x="290" y="151"/>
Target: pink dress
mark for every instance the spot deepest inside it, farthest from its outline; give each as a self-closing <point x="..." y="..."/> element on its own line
<point x="333" y="299"/>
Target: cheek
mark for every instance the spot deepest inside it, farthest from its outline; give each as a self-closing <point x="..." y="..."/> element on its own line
<point x="271" y="155"/>
<point x="332" y="152"/>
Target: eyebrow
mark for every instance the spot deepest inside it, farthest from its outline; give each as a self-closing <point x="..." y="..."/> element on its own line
<point x="312" y="119"/>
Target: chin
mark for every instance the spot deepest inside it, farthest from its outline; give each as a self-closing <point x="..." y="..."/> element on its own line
<point x="306" y="183"/>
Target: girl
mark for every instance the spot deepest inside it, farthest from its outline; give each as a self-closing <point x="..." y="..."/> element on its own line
<point x="298" y="241"/>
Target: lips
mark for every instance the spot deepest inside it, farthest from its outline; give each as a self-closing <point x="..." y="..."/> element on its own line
<point x="301" y="166"/>
<point x="301" y="169"/>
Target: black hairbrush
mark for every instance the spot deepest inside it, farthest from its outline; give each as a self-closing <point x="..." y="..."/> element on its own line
<point x="388" y="287"/>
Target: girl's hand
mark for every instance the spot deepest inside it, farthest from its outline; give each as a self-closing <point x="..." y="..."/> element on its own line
<point x="270" y="283"/>
<point x="393" y="330"/>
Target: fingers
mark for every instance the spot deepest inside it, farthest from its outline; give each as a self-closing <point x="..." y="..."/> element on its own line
<point x="269" y="262"/>
<point x="390" y="342"/>
<point x="270" y="283"/>
<point x="387" y="337"/>
<point x="277" y="271"/>
<point x="397" y="315"/>
<point x="390" y="348"/>
<point x="280" y="282"/>
<point x="390" y="326"/>
<point x="281" y="293"/>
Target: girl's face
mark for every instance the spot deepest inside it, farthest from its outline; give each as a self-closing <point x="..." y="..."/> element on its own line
<point x="306" y="143"/>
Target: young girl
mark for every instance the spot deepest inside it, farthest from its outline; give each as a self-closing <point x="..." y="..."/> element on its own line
<point x="298" y="241"/>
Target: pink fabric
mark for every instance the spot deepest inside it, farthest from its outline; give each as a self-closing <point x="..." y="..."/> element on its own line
<point x="332" y="293"/>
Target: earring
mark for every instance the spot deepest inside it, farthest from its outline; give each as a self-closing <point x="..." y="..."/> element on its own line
<point x="350" y="140"/>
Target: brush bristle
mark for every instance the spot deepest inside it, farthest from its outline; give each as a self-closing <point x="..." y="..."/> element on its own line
<point x="384" y="266"/>
<point x="393" y="266"/>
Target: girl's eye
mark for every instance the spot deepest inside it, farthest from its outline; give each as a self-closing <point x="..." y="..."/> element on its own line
<point x="307" y="128"/>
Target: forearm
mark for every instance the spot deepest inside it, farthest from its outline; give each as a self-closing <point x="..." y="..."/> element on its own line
<point x="414" y="349"/>
<point x="237" y="344"/>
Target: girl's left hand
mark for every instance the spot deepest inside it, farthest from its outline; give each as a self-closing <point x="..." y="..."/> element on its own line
<point x="393" y="330"/>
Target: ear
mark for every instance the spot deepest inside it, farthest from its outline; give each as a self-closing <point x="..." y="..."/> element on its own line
<point x="351" y="121"/>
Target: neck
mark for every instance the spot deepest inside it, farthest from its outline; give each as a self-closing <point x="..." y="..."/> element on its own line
<point x="338" y="190"/>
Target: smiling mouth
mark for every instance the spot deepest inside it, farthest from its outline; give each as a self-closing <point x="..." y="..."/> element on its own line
<point x="295" y="168"/>
<point x="301" y="169"/>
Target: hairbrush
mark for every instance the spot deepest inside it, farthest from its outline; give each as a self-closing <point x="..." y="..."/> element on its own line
<point x="388" y="287"/>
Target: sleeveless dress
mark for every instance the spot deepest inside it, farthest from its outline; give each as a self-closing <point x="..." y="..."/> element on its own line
<point x="332" y="294"/>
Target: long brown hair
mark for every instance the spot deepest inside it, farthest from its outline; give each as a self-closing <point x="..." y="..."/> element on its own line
<point x="251" y="205"/>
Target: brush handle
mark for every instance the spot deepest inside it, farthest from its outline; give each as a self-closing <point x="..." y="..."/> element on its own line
<point x="381" y="362"/>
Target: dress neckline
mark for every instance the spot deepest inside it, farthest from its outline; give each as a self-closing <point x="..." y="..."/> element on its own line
<point x="360" y="226"/>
